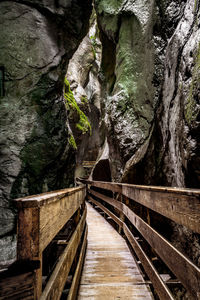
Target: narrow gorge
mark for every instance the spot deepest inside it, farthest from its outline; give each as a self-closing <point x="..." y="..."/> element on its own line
<point x="105" y="89"/>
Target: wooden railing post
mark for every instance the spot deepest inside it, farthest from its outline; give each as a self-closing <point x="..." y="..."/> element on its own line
<point x="28" y="241"/>
<point x="121" y="215"/>
<point x="77" y="216"/>
<point x="40" y="218"/>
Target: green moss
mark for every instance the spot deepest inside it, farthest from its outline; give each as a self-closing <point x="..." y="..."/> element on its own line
<point x="93" y="44"/>
<point x="83" y="124"/>
<point x="93" y="40"/>
<point x="84" y="99"/>
<point x="195" y="6"/>
<point x="72" y="142"/>
<point x="191" y="110"/>
<point x="109" y="6"/>
<point x="190" y="113"/>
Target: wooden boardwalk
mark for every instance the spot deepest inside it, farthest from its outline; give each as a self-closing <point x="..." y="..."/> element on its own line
<point x="110" y="272"/>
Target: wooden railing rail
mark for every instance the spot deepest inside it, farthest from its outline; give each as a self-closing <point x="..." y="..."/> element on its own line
<point x="180" y="205"/>
<point x="40" y="218"/>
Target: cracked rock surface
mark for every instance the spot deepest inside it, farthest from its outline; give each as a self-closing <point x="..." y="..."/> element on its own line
<point x="83" y="75"/>
<point x="127" y="64"/>
<point x="150" y="64"/>
<point x="37" y="39"/>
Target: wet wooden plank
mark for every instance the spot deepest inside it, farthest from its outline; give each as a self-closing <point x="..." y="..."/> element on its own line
<point x="110" y="271"/>
<point x="107" y="211"/>
<point x="55" y="285"/>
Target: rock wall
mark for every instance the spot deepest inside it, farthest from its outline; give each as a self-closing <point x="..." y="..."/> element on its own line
<point x="37" y="39"/>
<point x="150" y="61"/>
<point x="180" y="115"/>
<point x="127" y="64"/>
<point x="84" y="77"/>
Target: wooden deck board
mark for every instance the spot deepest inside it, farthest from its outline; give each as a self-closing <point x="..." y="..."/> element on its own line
<point x="110" y="272"/>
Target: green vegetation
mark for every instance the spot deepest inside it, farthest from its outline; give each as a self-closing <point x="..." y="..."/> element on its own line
<point x="94" y="44"/>
<point x="83" y="124"/>
<point x="72" y="142"/>
<point x="195" y="6"/>
<point x="84" y="99"/>
<point x="93" y="40"/>
<point x="191" y="110"/>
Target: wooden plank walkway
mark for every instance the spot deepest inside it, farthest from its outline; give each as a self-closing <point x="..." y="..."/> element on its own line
<point x="110" y="272"/>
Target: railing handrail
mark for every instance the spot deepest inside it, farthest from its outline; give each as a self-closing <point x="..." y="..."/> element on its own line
<point x="179" y="205"/>
<point x="119" y="187"/>
<point x="46" y="198"/>
<point x="40" y="219"/>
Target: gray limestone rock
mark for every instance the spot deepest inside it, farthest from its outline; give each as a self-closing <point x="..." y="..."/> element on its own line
<point x="37" y="39"/>
<point x="150" y="63"/>
<point x="127" y="64"/>
<point x="83" y="75"/>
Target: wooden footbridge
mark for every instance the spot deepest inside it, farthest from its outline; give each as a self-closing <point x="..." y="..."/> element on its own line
<point x="118" y="253"/>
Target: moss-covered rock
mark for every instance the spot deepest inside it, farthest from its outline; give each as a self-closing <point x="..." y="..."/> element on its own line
<point x="127" y="63"/>
<point x="192" y="106"/>
<point x="83" y="124"/>
<point x="37" y="40"/>
<point x="85" y="114"/>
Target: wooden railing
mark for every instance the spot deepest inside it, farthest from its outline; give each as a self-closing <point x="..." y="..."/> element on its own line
<point x="180" y="205"/>
<point x="40" y="219"/>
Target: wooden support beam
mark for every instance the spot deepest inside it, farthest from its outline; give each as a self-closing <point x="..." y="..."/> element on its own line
<point x="28" y="241"/>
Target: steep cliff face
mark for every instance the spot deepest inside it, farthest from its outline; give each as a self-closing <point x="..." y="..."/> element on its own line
<point x="83" y="75"/>
<point x="150" y="61"/>
<point x="37" y="40"/>
<point x="180" y="104"/>
<point x="127" y="64"/>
